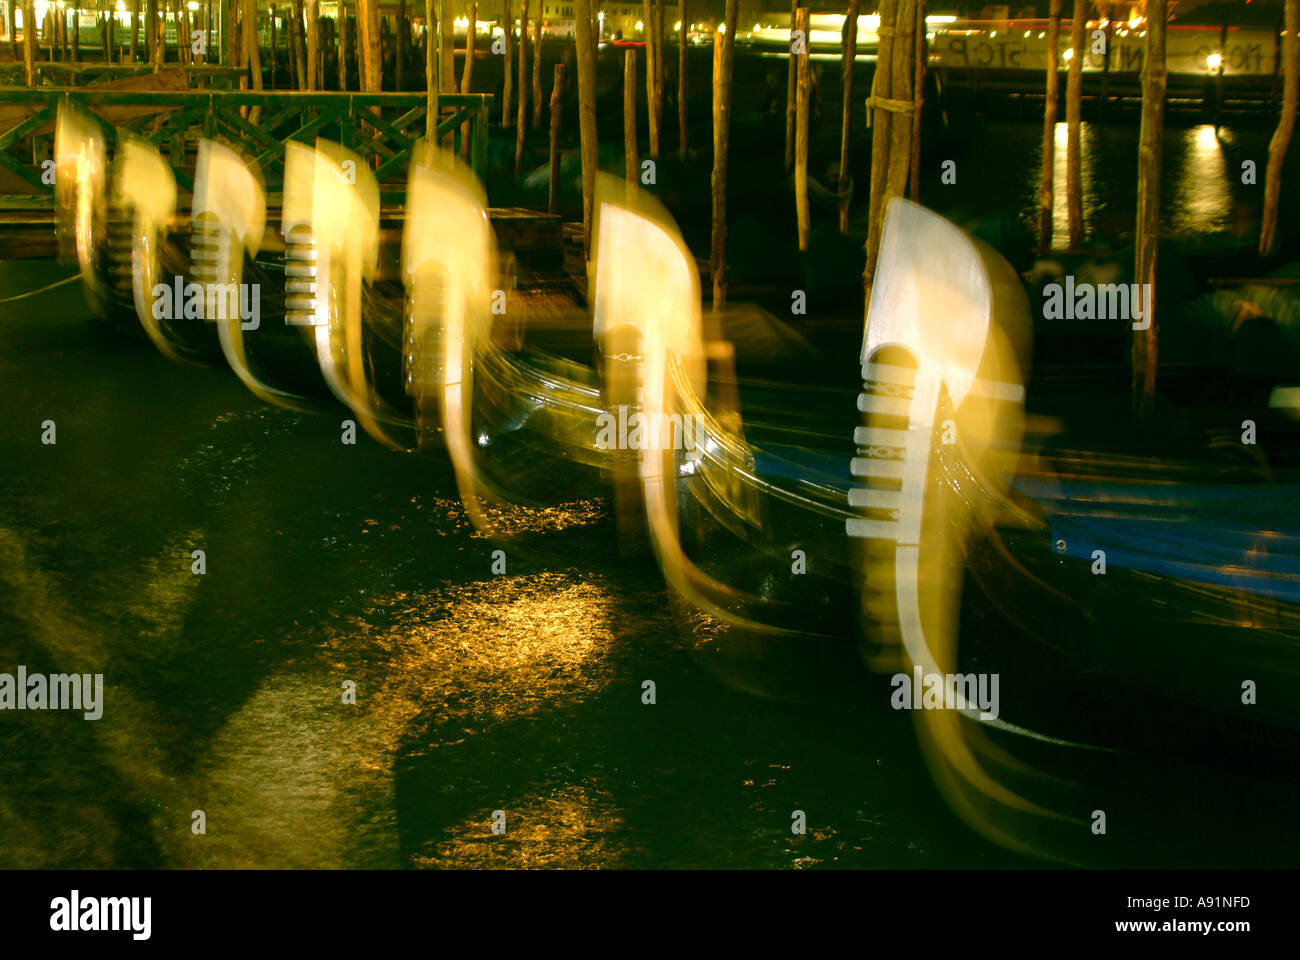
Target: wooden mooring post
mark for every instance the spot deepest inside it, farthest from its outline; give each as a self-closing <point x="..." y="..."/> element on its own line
<point x="1278" y="146"/>
<point x="629" y="115"/>
<point x="521" y="120"/>
<point x="890" y="106"/>
<point x="1148" y="205"/>
<point x="724" y="48"/>
<point x="1047" y="177"/>
<point x="557" y="110"/>
<point x="790" y="90"/>
<point x="683" y="33"/>
<point x="803" y="215"/>
<point x="586" y="55"/>
<point x="1073" y="116"/>
<point x="848" y="55"/>
<point x="507" y="89"/>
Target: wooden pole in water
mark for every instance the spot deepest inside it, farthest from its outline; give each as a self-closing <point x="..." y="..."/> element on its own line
<point x="537" y="69"/>
<point x="651" y="52"/>
<point x="29" y="42"/>
<point x="300" y="42"/>
<point x="661" y="67"/>
<point x="135" y="30"/>
<point x="1281" y="141"/>
<point x="430" y="68"/>
<point x="290" y="47"/>
<point x="151" y="30"/>
<point x="403" y="41"/>
<point x="904" y="97"/>
<point x="229" y="32"/>
<point x="1148" y="203"/>
<point x="521" y="119"/>
<point x="1047" y="178"/>
<point x="254" y="53"/>
<point x="447" y="45"/>
<point x="557" y="109"/>
<point x="76" y="34"/>
<point x="724" y="41"/>
<point x="1218" y="83"/>
<point x="368" y="44"/>
<point x="313" y="45"/>
<point x="340" y="30"/>
<point x="879" y="118"/>
<point x="848" y="54"/>
<point x="683" y="34"/>
<point x="586" y="55"/>
<point x="507" y="18"/>
<point x="790" y="88"/>
<point x="919" y="56"/>
<point x="1073" y="115"/>
<point x="803" y="215"/>
<point x="467" y="75"/>
<point x="629" y="115"/>
<point x="891" y="93"/>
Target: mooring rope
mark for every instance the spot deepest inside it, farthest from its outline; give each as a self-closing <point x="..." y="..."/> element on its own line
<point x="48" y="286"/>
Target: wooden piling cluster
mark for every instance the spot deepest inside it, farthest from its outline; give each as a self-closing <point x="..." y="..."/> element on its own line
<point x="890" y="114"/>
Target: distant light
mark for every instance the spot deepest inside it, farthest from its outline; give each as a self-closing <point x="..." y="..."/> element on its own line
<point x="1026" y="33"/>
<point x="677" y="25"/>
<point x="992" y="33"/>
<point x="1069" y="53"/>
<point x="640" y="25"/>
<point x="1214" y="61"/>
<point x="722" y="27"/>
<point x="191" y="5"/>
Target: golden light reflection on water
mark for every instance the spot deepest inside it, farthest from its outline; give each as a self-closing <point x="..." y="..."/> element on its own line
<point x="570" y="829"/>
<point x="1203" y="200"/>
<point x="1060" y="180"/>
<point x="511" y="520"/>
<point x="472" y="655"/>
<point x="297" y="779"/>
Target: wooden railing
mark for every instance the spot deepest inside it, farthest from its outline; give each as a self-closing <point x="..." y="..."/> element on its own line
<point x="381" y="127"/>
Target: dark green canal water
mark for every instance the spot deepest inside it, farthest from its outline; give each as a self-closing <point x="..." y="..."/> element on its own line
<point x="328" y="563"/>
